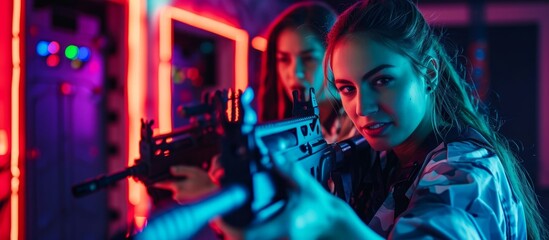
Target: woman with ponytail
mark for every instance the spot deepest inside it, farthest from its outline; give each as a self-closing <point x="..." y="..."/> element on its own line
<point x="438" y="168"/>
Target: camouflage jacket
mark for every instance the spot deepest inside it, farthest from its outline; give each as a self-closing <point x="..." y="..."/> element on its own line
<point x="461" y="192"/>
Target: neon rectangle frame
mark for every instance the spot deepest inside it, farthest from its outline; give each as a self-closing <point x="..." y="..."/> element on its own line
<point x="167" y="15"/>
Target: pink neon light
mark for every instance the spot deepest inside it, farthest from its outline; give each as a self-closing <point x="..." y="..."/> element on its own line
<point x="169" y="13"/>
<point x="16" y="134"/>
<point x="136" y="82"/>
<point x="53" y="47"/>
<point x="259" y="43"/>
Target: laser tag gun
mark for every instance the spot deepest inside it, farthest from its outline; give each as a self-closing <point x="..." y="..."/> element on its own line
<point x="251" y="190"/>
<point x="192" y="145"/>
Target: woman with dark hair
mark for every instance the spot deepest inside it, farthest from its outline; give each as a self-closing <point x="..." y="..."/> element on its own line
<point x="293" y="61"/>
<point x="439" y="169"/>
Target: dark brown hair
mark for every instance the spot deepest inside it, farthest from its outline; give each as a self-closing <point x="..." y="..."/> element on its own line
<point x="316" y="17"/>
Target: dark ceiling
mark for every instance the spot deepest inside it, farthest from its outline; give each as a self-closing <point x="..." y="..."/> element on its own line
<point x="341" y="5"/>
<point x="97" y="7"/>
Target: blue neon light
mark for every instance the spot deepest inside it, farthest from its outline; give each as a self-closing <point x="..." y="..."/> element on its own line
<point x="84" y="54"/>
<point x="42" y="48"/>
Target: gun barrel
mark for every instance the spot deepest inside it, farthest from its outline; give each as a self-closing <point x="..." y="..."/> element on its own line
<point x="96" y="184"/>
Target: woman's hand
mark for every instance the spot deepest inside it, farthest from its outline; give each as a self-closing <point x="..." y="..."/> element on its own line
<point x="311" y="212"/>
<point x="197" y="183"/>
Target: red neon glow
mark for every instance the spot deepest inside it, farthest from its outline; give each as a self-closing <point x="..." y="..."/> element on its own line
<point x="229" y="111"/>
<point x="192" y="73"/>
<point x="16" y="135"/>
<point x="233" y="106"/>
<point x="33" y="31"/>
<point x="52" y="60"/>
<point x="140" y="222"/>
<point x="169" y="13"/>
<point x="3" y="142"/>
<point x="5" y="117"/>
<point x="65" y="88"/>
<point x="135" y="82"/>
<point x="259" y="43"/>
<point x="33" y="154"/>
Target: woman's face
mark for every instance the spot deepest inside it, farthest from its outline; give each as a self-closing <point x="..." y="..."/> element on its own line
<point x="299" y="60"/>
<point x="382" y="94"/>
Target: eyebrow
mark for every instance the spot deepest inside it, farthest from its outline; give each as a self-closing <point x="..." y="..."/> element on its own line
<point x="369" y="73"/>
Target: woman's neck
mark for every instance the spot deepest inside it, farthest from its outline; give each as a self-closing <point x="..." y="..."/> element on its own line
<point x="417" y="146"/>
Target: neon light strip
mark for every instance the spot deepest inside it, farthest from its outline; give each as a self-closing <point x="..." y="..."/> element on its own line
<point x="135" y="82"/>
<point x="15" y="108"/>
<point x="164" y="70"/>
<point x="259" y="43"/>
<point x="167" y="14"/>
<point x="3" y="142"/>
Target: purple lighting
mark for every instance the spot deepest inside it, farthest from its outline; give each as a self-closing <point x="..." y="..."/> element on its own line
<point x="53" y="47"/>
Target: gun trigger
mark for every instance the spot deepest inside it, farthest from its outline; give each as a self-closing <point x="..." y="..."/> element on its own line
<point x="306" y="148"/>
